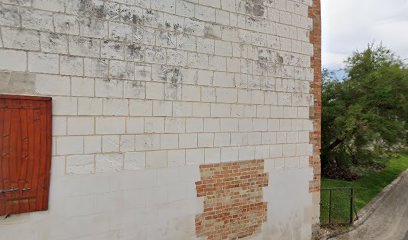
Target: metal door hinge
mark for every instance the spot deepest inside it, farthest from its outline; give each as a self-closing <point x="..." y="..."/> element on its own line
<point x="13" y="190"/>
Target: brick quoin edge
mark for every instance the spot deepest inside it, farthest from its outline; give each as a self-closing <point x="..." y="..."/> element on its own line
<point x="316" y="90"/>
<point x="316" y="112"/>
<point x="233" y="206"/>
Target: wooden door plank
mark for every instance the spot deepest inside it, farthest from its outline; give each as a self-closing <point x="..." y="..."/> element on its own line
<point x="36" y="156"/>
<point x="31" y="151"/>
<point x="2" y="159"/>
<point x="42" y="164"/>
<point x="15" y="135"/>
<point x="48" y="152"/>
<point x="6" y="155"/>
<point x="24" y="160"/>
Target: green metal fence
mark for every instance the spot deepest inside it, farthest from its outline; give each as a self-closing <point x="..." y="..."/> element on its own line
<point x="337" y="206"/>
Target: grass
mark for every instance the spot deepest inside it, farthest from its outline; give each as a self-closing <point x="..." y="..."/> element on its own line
<point x="365" y="189"/>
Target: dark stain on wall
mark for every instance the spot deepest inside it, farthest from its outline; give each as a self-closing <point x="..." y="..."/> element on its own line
<point x="134" y="51"/>
<point x="171" y="75"/>
<point x="90" y="9"/>
<point x="255" y="7"/>
<point x="209" y="32"/>
<point x="53" y="38"/>
<point x="137" y="19"/>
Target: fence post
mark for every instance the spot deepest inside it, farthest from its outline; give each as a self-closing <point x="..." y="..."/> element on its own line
<point x="330" y="205"/>
<point x="351" y="205"/>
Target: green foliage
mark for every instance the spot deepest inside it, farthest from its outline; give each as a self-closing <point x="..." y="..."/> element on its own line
<point x="364" y="115"/>
<point x="365" y="188"/>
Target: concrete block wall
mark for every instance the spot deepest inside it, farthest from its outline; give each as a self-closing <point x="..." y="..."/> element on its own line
<point x="147" y="91"/>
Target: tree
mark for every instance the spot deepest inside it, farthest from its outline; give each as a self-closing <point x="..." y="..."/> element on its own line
<point x="365" y="115"/>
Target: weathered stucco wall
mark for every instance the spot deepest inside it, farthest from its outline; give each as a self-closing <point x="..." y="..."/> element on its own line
<point x="171" y="117"/>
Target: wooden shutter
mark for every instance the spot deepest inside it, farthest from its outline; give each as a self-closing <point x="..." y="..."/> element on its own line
<point x="25" y="153"/>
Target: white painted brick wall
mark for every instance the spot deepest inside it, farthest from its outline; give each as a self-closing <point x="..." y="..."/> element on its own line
<point x="13" y="60"/>
<point x="144" y="91"/>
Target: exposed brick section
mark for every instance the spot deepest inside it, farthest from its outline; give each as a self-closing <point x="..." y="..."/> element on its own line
<point x="315" y="113"/>
<point x="233" y="206"/>
<point x="316" y="90"/>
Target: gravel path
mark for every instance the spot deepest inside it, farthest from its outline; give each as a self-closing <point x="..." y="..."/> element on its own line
<point x="389" y="221"/>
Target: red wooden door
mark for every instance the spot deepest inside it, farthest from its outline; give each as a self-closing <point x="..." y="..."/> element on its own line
<point x="25" y="153"/>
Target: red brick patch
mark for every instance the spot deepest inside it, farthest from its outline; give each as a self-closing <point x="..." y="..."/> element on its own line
<point x="233" y="199"/>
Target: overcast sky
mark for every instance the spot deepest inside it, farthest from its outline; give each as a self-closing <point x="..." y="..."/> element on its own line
<point x="349" y="25"/>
